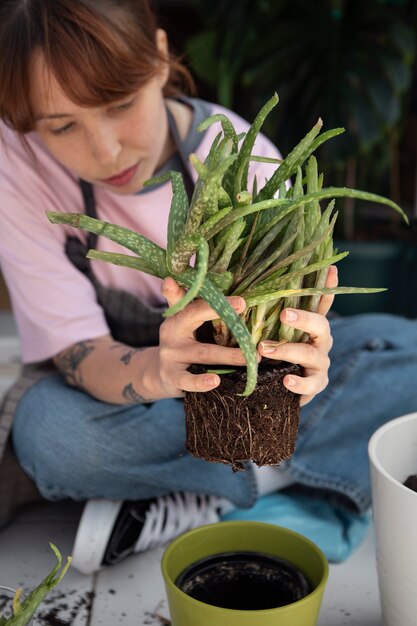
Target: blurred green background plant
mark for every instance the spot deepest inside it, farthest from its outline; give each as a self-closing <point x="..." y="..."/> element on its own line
<point x="351" y="62"/>
<point x="348" y="61"/>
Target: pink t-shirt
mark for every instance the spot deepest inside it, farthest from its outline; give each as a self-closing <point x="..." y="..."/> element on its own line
<point x="53" y="303"/>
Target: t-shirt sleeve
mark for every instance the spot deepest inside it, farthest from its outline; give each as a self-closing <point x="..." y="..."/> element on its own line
<point x="53" y="303"/>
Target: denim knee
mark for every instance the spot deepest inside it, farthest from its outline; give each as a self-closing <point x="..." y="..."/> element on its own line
<point x="64" y="438"/>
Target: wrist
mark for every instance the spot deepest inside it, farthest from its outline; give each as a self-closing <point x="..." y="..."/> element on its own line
<point x="150" y="380"/>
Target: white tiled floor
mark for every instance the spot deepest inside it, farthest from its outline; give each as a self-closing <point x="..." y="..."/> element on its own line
<point x="132" y="593"/>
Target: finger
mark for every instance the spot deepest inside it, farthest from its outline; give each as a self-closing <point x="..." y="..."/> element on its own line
<point x="171" y="291"/>
<point x="327" y="301"/>
<point x="304" y="354"/>
<point x="314" y="324"/>
<point x="306" y="386"/>
<point x="212" y="354"/>
<point x="197" y="382"/>
<point x="199" y="311"/>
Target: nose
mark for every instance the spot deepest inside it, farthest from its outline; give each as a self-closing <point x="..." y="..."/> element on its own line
<point x="105" y="144"/>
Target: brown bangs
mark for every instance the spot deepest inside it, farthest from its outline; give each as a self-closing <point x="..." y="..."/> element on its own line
<point x="98" y="50"/>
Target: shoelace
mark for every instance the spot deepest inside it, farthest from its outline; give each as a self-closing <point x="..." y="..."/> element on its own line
<point x="169" y="516"/>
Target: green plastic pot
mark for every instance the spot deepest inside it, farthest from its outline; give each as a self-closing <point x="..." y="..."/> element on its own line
<point x="243" y="536"/>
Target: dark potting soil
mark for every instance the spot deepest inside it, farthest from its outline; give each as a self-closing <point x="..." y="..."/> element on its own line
<point x="63" y="608"/>
<point x="222" y="426"/>
<point x="246" y="581"/>
<point x="411" y="482"/>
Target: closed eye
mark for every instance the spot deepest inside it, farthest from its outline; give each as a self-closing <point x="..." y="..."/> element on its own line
<point x="123" y="106"/>
<point x="62" y="129"/>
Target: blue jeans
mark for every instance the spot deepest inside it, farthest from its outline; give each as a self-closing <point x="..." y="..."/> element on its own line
<point x="75" y="446"/>
<point x="372" y="379"/>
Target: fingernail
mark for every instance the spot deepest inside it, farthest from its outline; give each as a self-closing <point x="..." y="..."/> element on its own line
<point x="268" y="347"/>
<point x="236" y="302"/>
<point x="212" y="381"/>
<point x="290" y="381"/>
<point x="290" y="315"/>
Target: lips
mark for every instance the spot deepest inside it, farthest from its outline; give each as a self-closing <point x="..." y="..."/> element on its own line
<point x="121" y="179"/>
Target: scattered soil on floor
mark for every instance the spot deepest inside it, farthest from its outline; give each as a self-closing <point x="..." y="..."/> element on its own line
<point x="61" y="609"/>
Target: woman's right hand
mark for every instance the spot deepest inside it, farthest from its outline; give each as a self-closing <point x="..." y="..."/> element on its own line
<point x="178" y="347"/>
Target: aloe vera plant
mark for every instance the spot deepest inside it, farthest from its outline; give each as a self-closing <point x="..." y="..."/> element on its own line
<point x="272" y="246"/>
<point x="23" y="610"/>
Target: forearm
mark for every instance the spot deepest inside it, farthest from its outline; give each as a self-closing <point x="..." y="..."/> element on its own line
<point x="111" y="371"/>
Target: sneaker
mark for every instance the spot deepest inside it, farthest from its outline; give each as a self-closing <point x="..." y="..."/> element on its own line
<point x="110" y="530"/>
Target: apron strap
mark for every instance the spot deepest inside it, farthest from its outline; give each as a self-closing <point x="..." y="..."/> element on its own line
<point x="87" y="191"/>
<point x="185" y="166"/>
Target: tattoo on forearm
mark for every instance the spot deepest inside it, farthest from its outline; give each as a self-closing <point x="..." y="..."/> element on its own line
<point x="70" y="360"/>
<point x="131" y="396"/>
<point x="128" y="352"/>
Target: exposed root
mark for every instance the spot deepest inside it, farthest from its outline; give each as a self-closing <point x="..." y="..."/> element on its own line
<point x="227" y="428"/>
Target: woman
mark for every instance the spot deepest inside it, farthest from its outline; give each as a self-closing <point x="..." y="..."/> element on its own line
<point x="92" y="106"/>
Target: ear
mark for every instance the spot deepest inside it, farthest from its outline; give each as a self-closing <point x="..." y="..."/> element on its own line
<point x="162" y="45"/>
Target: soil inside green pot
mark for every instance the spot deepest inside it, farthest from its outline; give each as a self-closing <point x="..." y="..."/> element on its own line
<point x="246" y="581"/>
<point x="222" y="426"/>
<point x="411" y="482"/>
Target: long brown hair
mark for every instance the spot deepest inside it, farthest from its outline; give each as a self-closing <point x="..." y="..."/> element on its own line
<point x="98" y="50"/>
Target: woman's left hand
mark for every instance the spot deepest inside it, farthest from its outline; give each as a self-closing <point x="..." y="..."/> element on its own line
<point x="313" y="356"/>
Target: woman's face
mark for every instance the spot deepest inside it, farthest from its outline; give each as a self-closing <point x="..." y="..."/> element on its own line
<point x="117" y="146"/>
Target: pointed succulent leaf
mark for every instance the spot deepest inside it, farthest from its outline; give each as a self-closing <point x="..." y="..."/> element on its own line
<point x="264" y="244"/>
<point x="290" y="205"/>
<point x="227" y="126"/>
<point x="220" y="242"/>
<point x="324" y="220"/>
<point x="312" y="209"/>
<point x="287" y="332"/>
<point x="179" y="208"/>
<point x="184" y="250"/>
<point x="211" y="222"/>
<point x="241" y="178"/>
<point x="325" y="250"/>
<point x="261" y="159"/>
<point x="200" y="167"/>
<point x="286" y="293"/>
<point x="345" y="192"/>
<point x="208" y="230"/>
<point x="318" y="141"/>
<point x="202" y="171"/>
<point x="232" y="242"/>
<point x="211" y="294"/>
<point x="208" y="194"/>
<point x="272" y="284"/>
<point x="200" y="273"/>
<point x="263" y="230"/>
<point x="149" y="251"/>
<point x="222" y="281"/>
<point x="126" y="260"/>
<point x="177" y="214"/>
<point x="256" y="275"/>
<point x="287" y="261"/>
<point x="24" y="611"/>
<point x="291" y="161"/>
